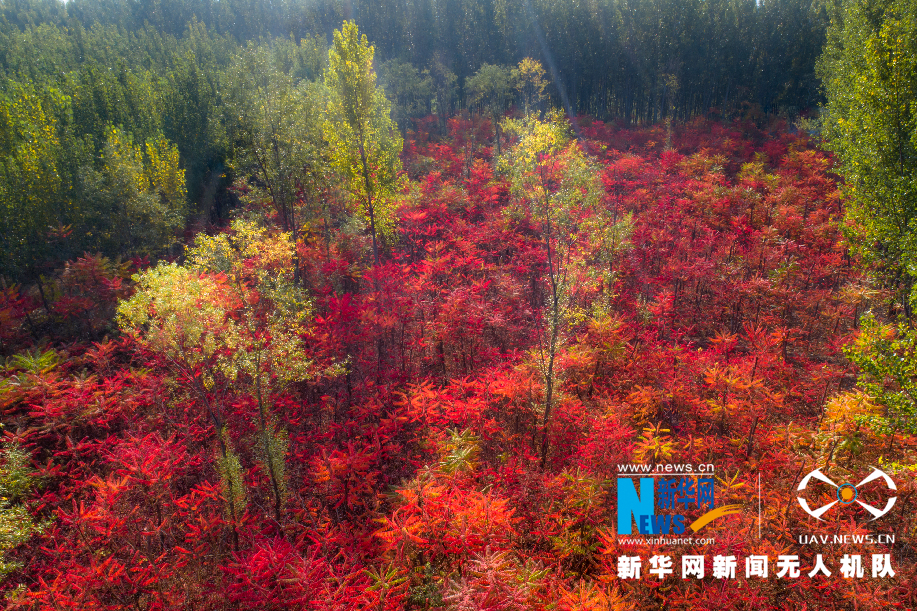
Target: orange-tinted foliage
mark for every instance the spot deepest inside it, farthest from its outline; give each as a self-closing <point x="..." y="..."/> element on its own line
<point x="412" y="480"/>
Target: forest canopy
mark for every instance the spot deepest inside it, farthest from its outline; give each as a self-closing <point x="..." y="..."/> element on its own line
<point x="86" y="78"/>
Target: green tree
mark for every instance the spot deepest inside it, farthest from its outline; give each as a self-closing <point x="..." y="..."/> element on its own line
<point x="16" y="523"/>
<point x="869" y="74"/>
<point x="106" y="94"/>
<point x="528" y="78"/>
<point x="887" y="358"/>
<point x="364" y="141"/>
<point x="179" y="315"/>
<point x="409" y="88"/>
<point x="279" y="131"/>
<point x="491" y="90"/>
<point x="232" y="318"/>
<point x="557" y="188"/>
<point x="444" y="89"/>
<point x="138" y="196"/>
<point x="192" y="113"/>
<point x="30" y="179"/>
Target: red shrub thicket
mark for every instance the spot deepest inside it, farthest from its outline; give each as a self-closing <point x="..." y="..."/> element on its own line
<point x="714" y="334"/>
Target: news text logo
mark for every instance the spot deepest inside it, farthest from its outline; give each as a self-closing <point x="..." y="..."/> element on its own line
<point x="665" y="505"/>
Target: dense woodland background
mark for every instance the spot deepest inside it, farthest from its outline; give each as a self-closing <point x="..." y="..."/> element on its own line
<point x="359" y="305"/>
<point x="77" y="69"/>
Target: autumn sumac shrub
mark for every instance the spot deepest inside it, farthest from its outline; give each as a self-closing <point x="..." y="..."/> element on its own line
<point x="281" y="427"/>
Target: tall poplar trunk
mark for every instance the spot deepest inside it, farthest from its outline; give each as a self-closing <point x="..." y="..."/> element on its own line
<point x="369" y="201"/>
<point x="552" y="345"/>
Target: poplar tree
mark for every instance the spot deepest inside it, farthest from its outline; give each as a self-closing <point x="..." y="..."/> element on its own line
<point x="278" y="125"/>
<point x="363" y="139"/>
<point x="557" y="188"/>
<point x="491" y="90"/>
<point x="869" y="73"/>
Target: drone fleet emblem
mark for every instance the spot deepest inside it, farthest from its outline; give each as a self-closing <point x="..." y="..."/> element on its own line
<point x="847" y="494"/>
